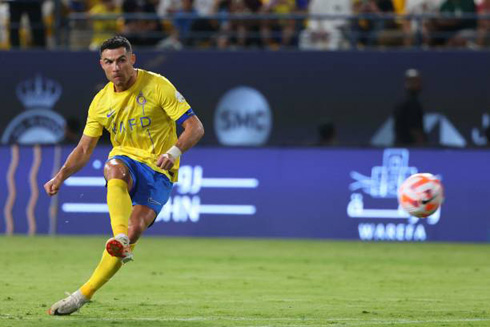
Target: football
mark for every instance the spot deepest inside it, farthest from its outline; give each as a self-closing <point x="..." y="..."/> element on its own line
<point x="421" y="195"/>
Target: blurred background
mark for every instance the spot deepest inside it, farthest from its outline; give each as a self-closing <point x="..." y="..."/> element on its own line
<point x="246" y="24"/>
<point x="315" y="111"/>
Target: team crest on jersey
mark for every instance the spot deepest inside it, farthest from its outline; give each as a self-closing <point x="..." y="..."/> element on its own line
<point x="179" y="96"/>
<point x="140" y="99"/>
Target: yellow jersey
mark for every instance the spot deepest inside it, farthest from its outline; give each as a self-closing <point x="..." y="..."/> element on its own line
<point x="141" y="120"/>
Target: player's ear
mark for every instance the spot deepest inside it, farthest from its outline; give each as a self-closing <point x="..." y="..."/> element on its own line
<point x="133" y="58"/>
<point x="101" y="63"/>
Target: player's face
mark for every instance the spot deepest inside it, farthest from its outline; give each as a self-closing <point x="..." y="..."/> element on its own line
<point x="118" y="66"/>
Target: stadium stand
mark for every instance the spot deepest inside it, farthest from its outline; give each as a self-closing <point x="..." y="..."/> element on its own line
<point x="246" y="24"/>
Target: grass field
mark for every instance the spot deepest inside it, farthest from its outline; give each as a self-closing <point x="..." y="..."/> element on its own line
<point x="186" y="282"/>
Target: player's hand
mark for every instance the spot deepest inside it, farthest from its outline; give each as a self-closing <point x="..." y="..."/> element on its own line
<point x="53" y="186"/>
<point x="165" y="161"/>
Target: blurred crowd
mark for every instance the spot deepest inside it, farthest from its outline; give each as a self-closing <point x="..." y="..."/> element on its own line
<point x="238" y="24"/>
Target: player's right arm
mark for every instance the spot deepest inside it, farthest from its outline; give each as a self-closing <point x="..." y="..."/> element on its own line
<point x="77" y="159"/>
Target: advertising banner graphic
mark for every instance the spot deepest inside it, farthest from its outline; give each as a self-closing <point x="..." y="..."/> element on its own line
<point x="328" y="194"/>
<point x="260" y="98"/>
<point x="39" y="124"/>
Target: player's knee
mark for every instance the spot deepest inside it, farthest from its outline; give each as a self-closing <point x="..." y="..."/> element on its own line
<point x="114" y="169"/>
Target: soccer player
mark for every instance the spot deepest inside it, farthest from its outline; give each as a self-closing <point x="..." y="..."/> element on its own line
<point x="140" y="110"/>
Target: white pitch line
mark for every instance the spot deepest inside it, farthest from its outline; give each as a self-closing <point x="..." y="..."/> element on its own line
<point x="211" y="318"/>
<point x="344" y="321"/>
<point x="410" y="322"/>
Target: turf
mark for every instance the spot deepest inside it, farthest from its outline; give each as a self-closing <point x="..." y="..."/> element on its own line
<point x="184" y="282"/>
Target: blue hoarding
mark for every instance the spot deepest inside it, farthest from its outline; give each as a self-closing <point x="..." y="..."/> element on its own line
<point x="262" y="98"/>
<point x="301" y="193"/>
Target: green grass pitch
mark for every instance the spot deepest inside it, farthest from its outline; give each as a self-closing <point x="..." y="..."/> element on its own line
<point x="193" y="282"/>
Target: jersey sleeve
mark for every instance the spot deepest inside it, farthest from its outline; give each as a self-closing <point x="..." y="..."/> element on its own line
<point x="174" y="104"/>
<point x="92" y="127"/>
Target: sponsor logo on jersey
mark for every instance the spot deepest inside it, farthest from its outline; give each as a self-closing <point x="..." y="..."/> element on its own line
<point x="179" y="97"/>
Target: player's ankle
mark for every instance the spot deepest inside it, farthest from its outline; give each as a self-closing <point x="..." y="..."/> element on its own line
<point x="123" y="238"/>
<point x="119" y="235"/>
<point x="87" y="291"/>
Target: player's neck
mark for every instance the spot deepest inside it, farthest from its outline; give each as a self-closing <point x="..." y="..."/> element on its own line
<point x="130" y="82"/>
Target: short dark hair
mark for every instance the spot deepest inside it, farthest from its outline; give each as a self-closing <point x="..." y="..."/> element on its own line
<point x="116" y="42"/>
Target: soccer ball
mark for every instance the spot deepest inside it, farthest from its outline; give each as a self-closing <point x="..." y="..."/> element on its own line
<point x="421" y="195"/>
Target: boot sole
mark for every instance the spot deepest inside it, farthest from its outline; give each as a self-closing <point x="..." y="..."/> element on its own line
<point x="115" y="248"/>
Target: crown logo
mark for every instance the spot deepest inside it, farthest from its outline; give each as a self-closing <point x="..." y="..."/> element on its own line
<point x="38" y="93"/>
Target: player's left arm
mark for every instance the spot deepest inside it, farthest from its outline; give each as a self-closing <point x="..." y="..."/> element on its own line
<point x="193" y="132"/>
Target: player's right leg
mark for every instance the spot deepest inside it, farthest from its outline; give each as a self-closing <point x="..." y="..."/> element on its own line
<point x="119" y="246"/>
<point x="119" y="182"/>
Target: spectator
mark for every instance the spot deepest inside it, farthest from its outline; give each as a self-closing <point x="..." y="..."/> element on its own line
<point x="455" y="31"/>
<point x="417" y="31"/>
<point x="168" y="7"/>
<point x="205" y="7"/>
<point x="285" y="27"/>
<point x="203" y="28"/>
<point x="183" y="21"/>
<point x="302" y="6"/>
<point x="409" y="115"/>
<point x="78" y="5"/>
<point x="326" y="34"/>
<point x="141" y="31"/>
<point x="399" y="6"/>
<point x="483" y="9"/>
<point x="225" y="30"/>
<point x="239" y="32"/>
<point x="246" y="31"/>
<point x="104" y="29"/>
<point x="191" y="24"/>
<point x="33" y="8"/>
<point x="373" y="30"/>
<point x="4" y="19"/>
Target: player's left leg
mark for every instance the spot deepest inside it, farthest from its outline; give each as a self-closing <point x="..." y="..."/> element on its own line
<point x="141" y="218"/>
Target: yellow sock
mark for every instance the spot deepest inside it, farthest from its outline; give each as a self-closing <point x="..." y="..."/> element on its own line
<point x="120" y="206"/>
<point x="108" y="266"/>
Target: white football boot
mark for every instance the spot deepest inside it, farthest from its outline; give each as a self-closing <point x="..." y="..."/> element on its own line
<point x="118" y="246"/>
<point x="73" y="302"/>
